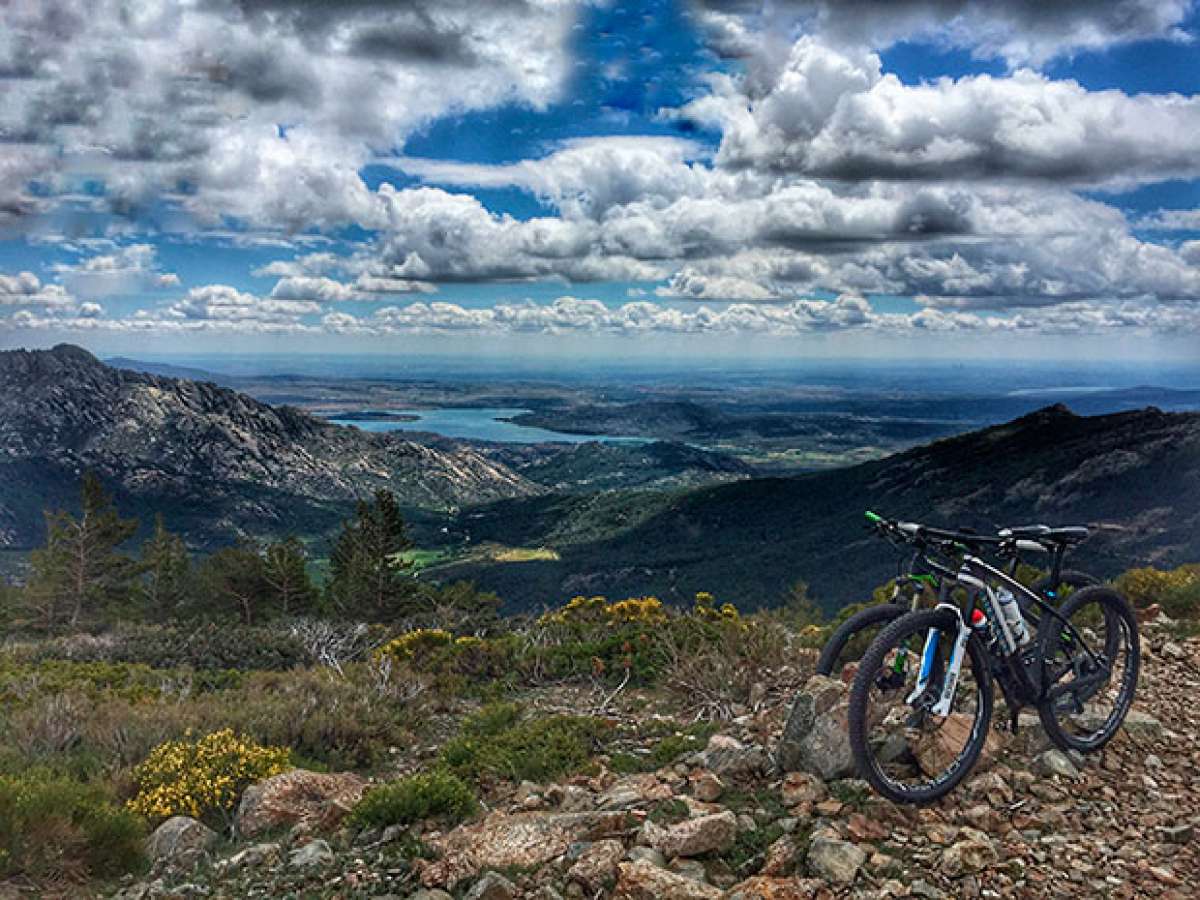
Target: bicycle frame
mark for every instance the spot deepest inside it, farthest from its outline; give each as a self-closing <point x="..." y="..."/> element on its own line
<point x="978" y="576"/>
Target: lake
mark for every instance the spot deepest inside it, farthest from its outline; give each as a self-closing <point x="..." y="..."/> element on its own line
<point x="478" y="424"/>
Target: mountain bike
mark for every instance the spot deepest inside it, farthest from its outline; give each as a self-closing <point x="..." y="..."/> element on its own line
<point x="918" y="726"/>
<point x="918" y="581"/>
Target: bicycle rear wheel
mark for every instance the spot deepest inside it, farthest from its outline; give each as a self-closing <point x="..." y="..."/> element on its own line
<point x="1088" y="693"/>
<point x="908" y="752"/>
<point x="851" y="639"/>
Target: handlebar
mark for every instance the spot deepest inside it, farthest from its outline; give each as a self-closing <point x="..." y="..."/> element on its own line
<point x="916" y="533"/>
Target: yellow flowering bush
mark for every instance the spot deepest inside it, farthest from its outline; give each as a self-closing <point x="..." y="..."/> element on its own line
<point x="706" y="609"/>
<point x="599" y="611"/>
<point x="203" y="778"/>
<point x="579" y="610"/>
<point x="644" y="610"/>
<point x="417" y="643"/>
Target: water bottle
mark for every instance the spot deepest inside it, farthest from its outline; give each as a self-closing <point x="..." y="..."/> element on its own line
<point x="1012" y="616"/>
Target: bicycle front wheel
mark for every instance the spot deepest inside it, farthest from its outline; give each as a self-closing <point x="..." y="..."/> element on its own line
<point x="906" y="745"/>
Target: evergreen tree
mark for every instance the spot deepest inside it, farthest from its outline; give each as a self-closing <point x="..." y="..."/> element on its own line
<point x="79" y="575"/>
<point x="367" y="572"/>
<point x="166" y="573"/>
<point x="285" y="570"/>
<point x="235" y="577"/>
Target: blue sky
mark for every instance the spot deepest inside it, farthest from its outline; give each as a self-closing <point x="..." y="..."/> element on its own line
<point x="557" y="178"/>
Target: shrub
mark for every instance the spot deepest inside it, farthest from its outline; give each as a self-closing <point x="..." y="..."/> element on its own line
<point x="53" y="828"/>
<point x="433" y="794"/>
<point x="131" y="681"/>
<point x="1177" y="590"/>
<point x="497" y="743"/>
<point x="417" y="644"/>
<point x="203" y="778"/>
<point x="209" y="646"/>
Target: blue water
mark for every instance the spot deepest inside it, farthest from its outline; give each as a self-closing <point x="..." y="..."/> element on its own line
<point x="479" y="424"/>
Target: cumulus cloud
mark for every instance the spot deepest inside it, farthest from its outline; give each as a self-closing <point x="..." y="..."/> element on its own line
<point x="126" y="269"/>
<point x="835" y="113"/>
<point x="221" y="309"/>
<point x="1171" y="220"/>
<point x="154" y="97"/>
<point x="1019" y="31"/>
<point x="26" y="289"/>
<point x="221" y="302"/>
<point x="322" y="289"/>
<point x="713" y="233"/>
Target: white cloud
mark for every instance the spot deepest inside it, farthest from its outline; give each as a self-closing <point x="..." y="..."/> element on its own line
<point x="1171" y="220"/>
<point x="835" y="113"/>
<point x="218" y="302"/>
<point x="26" y="289"/>
<point x="322" y="289"/>
<point x="152" y="97"/>
<point x="126" y="269"/>
<point x="221" y="309"/>
<point x="1019" y="31"/>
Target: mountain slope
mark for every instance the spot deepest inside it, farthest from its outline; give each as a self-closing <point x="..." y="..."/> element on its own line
<point x="217" y="461"/>
<point x="1136" y="474"/>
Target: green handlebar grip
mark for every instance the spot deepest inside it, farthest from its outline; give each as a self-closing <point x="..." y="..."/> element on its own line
<point x="872" y="518"/>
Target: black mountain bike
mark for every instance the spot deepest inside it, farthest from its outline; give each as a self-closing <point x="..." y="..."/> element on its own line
<point x="919" y="581"/>
<point x="917" y="727"/>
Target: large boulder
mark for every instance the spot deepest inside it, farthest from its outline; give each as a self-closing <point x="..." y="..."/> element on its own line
<point x="815" y="738"/>
<point x="642" y="880"/>
<point x="180" y="841"/>
<point x="299" y="797"/>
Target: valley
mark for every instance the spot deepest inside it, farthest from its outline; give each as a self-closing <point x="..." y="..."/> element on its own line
<point x="743" y="490"/>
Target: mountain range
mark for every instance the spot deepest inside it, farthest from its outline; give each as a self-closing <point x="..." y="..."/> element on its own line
<point x="218" y="463"/>
<point x="1133" y="476"/>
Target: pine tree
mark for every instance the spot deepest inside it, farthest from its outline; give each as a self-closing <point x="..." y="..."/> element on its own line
<point x="285" y="570"/>
<point x="79" y="575"/>
<point x="367" y="572"/>
<point x="235" y="577"/>
<point x="166" y="573"/>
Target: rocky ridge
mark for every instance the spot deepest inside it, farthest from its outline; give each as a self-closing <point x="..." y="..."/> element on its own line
<point x="222" y="459"/>
<point x="725" y="822"/>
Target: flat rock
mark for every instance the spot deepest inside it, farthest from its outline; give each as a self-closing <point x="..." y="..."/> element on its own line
<point x="693" y="837"/>
<point x="504" y="841"/>
<point x="314" y="853"/>
<point x="728" y="756"/>
<point x="836" y="860"/>
<point x="642" y="880"/>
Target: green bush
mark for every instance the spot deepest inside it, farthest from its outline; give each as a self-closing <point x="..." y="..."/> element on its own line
<point x="52" y="829"/>
<point x="433" y="794"/>
<point x="202" y="646"/>
<point x="496" y="743"/>
<point x="1176" y="590"/>
<point x="131" y="681"/>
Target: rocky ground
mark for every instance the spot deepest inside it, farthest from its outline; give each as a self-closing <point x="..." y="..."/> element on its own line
<point x="727" y="822"/>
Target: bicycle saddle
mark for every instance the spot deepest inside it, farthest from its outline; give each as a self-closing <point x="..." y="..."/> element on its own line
<point x="1068" y="534"/>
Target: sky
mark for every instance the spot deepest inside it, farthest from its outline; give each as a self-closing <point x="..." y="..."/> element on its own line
<point x="525" y="178"/>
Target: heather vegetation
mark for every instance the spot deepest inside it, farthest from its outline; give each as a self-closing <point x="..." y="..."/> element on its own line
<point x="140" y="683"/>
